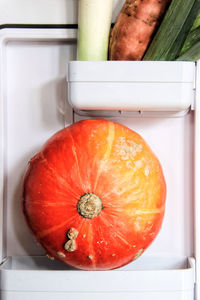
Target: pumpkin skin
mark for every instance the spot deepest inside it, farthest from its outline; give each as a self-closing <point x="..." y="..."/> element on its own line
<point x="101" y="162"/>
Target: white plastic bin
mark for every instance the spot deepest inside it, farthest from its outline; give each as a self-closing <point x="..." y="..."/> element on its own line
<point x="152" y="278"/>
<point x="131" y="85"/>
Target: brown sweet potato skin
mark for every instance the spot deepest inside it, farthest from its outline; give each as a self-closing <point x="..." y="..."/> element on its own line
<point x="134" y="28"/>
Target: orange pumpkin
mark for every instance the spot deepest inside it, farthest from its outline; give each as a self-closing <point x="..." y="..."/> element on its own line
<point x="94" y="196"/>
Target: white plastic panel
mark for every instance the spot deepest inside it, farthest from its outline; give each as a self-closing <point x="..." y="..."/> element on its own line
<point x="33" y="108"/>
<point x="134" y="281"/>
<point x="132" y="71"/>
<point x="44" y="11"/>
<point x="135" y="86"/>
<point x="196" y="183"/>
<point x="173" y="295"/>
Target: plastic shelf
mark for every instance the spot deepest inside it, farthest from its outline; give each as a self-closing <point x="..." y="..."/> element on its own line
<point x="160" y="278"/>
<point x="136" y="86"/>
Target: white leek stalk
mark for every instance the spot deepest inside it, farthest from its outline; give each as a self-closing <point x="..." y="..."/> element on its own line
<point x="94" y="22"/>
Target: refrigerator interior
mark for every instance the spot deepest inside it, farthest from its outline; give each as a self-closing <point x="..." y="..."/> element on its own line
<point x="34" y="105"/>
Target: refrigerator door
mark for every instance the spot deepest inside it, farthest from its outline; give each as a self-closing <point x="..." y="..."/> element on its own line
<point x="34" y="104"/>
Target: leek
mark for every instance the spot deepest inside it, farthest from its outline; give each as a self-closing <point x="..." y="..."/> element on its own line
<point x="192" y="54"/>
<point x="196" y="22"/>
<point x="193" y="36"/>
<point x="94" y="23"/>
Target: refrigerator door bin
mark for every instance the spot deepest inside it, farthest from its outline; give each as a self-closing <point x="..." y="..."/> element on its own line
<point x="170" y="278"/>
<point x="131" y="85"/>
<point x="33" y="106"/>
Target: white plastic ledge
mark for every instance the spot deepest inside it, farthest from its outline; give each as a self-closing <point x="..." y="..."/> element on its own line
<point x="162" y="278"/>
<point x="131" y="85"/>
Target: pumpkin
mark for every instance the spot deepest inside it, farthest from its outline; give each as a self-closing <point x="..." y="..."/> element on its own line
<point x="94" y="195"/>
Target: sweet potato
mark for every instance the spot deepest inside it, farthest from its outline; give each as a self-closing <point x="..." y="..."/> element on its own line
<point x="134" y="28"/>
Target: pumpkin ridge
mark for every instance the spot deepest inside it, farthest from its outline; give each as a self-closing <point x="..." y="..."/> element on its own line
<point x="76" y="159"/>
<point x="124" y="190"/>
<point x="149" y="211"/>
<point x="41" y="203"/>
<point x="91" y="250"/>
<point x="79" y="227"/>
<point x="109" y="224"/>
<point x="45" y="232"/>
<point x="110" y="140"/>
<point x="61" y="179"/>
<point x="119" y="193"/>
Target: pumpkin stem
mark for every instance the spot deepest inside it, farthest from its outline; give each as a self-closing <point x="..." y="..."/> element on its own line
<point x="89" y="205"/>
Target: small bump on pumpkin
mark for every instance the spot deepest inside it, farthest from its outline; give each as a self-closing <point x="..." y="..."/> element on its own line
<point x="50" y="257"/>
<point x="70" y="246"/>
<point x="90" y="257"/>
<point x="138" y="164"/>
<point x="138" y="254"/>
<point x="113" y="254"/>
<point x="60" y="254"/>
<point x="127" y="149"/>
<point x="72" y="233"/>
<point x="84" y="235"/>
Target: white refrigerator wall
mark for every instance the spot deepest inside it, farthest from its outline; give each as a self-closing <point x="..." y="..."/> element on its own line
<point x="36" y="107"/>
<point x="44" y="11"/>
